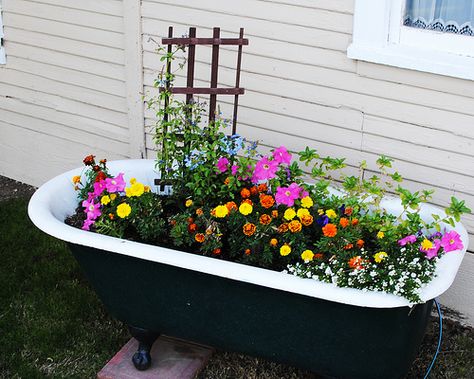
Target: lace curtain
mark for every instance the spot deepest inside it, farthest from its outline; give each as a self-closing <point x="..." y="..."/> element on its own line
<point x="449" y="16"/>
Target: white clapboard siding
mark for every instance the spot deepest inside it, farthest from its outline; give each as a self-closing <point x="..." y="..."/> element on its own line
<point x="63" y="88"/>
<point x="342" y="6"/>
<point x="112" y="8"/>
<point x="268" y="11"/>
<point x="54" y="58"/>
<point x="268" y="29"/>
<point x="155" y="29"/>
<point x="59" y="13"/>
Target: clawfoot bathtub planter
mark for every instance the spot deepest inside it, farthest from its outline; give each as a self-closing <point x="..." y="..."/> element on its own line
<point x="337" y="332"/>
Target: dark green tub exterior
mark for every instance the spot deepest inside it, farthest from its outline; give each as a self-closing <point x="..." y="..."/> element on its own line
<point x="329" y="338"/>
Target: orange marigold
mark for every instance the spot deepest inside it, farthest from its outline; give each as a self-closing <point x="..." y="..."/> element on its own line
<point x="248" y="201"/>
<point x="267" y="201"/>
<point x="356" y="263"/>
<point x="216" y="251"/>
<point x="253" y="190"/>
<point x="355" y="221"/>
<point x="318" y="256"/>
<point x="231" y="206"/>
<point x="245" y="193"/>
<point x="273" y="242"/>
<point x="307" y="220"/>
<point x="112" y="216"/>
<point x="249" y="229"/>
<point x="172" y="222"/>
<point x="348" y="211"/>
<point x="199" y="237"/>
<point x="265" y="219"/>
<point x="283" y="228"/>
<point x="247" y="251"/>
<point x="192" y="227"/>
<point x="199" y="212"/>
<point x="262" y="187"/>
<point x="360" y="243"/>
<point x="330" y="230"/>
<point x="295" y="226"/>
<point x="343" y="222"/>
<point x="275" y="213"/>
<point x="227" y="181"/>
<point x="348" y="246"/>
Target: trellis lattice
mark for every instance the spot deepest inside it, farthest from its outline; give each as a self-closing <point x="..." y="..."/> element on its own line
<point x="191" y="41"/>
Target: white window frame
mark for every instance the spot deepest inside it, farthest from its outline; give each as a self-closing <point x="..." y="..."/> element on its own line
<point x="2" y="49"/>
<point x="379" y="36"/>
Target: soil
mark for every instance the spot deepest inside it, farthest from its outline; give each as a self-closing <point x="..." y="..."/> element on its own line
<point x="455" y="359"/>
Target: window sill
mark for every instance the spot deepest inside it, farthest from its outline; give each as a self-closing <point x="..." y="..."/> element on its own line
<point x="426" y="60"/>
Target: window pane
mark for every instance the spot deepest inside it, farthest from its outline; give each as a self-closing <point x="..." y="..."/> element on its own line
<point x="449" y="16"/>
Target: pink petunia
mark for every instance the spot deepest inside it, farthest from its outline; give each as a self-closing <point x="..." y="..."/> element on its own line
<point x="222" y="164"/>
<point x="432" y="252"/>
<point x="99" y="187"/>
<point x="407" y="240"/>
<point x="92" y="209"/>
<point x="87" y="224"/>
<point x="264" y="169"/>
<point x="116" y="184"/>
<point x="281" y="155"/>
<point x="288" y="195"/>
<point x="234" y="169"/>
<point x="451" y="241"/>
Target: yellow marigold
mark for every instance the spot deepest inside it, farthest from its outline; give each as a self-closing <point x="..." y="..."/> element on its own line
<point x="188" y="203"/>
<point x="273" y="242"/>
<point x="221" y="211"/>
<point x="137" y="189"/>
<point x="307" y="202"/>
<point x="426" y="244"/>
<point x="307" y="255"/>
<point x="380" y="256"/>
<point x="285" y="250"/>
<point x="133" y="181"/>
<point x="113" y="196"/>
<point x="331" y="214"/>
<point x="76" y="179"/>
<point x="307" y="220"/>
<point x="289" y="214"/>
<point x="249" y="229"/>
<point x="123" y="210"/>
<point x="199" y="237"/>
<point x="147" y="188"/>
<point x="320" y="212"/>
<point x="295" y="226"/>
<point x="105" y="199"/>
<point x="265" y="219"/>
<point x="330" y="230"/>
<point x="302" y="212"/>
<point x="245" y="209"/>
<point x="380" y="235"/>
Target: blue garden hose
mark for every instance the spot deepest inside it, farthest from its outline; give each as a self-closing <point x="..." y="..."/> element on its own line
<point x="439" y="339"/>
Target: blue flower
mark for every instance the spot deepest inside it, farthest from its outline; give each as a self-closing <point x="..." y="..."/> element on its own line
<point x="323" y="220"/>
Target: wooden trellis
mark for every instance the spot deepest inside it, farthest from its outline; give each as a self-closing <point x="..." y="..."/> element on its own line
<point x="190" y="90"/>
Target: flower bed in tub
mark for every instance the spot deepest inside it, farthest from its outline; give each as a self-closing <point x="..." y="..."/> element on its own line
<point x="338" y="332"/>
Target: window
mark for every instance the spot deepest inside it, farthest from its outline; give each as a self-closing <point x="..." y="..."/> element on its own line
<point x="2" y="49"/>
<point x="427" y="35"/>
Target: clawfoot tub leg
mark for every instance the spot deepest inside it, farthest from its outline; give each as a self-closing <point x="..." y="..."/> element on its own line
<point x="142" y="359"/>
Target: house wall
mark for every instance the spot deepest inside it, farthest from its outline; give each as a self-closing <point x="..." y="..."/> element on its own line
<point x="63" y="89"/>
<point x="76" y="69"/>
<point x="301" y="89"/>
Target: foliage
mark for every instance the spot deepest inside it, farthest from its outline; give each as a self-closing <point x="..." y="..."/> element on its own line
<point x="231" y="202"/>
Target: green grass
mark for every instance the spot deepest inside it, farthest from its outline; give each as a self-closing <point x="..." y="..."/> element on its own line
<point x="52" y="324"/>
